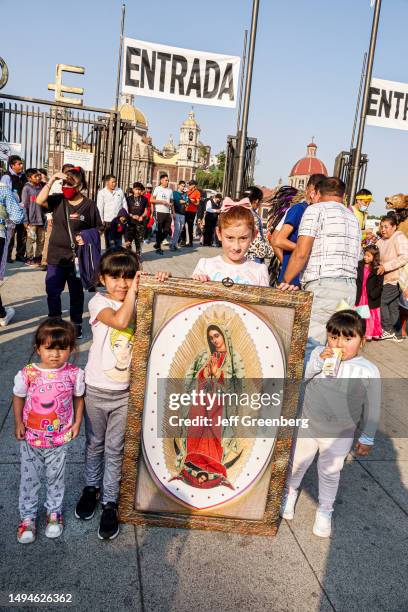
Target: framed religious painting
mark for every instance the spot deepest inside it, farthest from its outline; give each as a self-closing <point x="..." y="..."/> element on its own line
<point x="215" y="378"/>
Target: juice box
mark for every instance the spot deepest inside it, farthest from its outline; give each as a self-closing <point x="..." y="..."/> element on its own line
<point x="332" y="364"/>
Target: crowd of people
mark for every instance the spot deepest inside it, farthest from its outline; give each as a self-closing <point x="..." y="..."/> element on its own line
<point x="49" y="219"/>
<point x="323" y="246"/>
<point x="314" y="242"/>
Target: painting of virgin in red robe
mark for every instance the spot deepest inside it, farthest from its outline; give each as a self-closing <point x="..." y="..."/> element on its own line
<point x="203" y="463"/>
<point x="212" y="349"/>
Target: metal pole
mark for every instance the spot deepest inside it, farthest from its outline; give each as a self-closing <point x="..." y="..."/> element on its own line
<point x="357" y="154"/>
<point x="360" y="89"/>
<point x="122" y="26"/>
<point x="247" y="96"/>
<point x="241" y="85"/>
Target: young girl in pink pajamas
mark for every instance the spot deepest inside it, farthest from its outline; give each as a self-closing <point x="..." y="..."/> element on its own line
<point x="48" y="406"/>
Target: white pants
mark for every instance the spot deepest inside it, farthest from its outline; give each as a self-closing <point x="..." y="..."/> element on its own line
<point x="332" y="453"/>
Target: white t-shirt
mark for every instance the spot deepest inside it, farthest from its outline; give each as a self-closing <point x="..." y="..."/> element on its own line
<point x="163" y="193"/>
<point x="247" y="273"/>
<point x="111" y="349"/>
<point x="109" y="203"/>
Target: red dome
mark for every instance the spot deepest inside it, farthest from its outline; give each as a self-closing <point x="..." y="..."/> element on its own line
<point x="307" y="166"/>
<point x="310" y="164"/>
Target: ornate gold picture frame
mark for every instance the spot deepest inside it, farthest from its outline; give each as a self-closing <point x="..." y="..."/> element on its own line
<point x="173" y="319"/>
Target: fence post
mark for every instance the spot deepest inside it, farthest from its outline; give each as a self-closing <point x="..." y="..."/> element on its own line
<point x="116" y="142"/>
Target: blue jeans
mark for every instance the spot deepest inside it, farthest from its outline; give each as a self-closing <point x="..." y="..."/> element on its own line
<point x="178" y="228"/>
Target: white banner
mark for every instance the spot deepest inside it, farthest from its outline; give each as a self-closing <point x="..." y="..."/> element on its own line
<point x="171" y="73"/>
<point x="9" y="148"/>
<point x="388" y="104"/>
<point x="79" y="158"/>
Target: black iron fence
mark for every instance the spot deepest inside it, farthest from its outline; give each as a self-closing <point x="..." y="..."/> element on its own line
<point x="231" y="165"/>
<point x="342" y="169"/>
<point x="44" y="130"/>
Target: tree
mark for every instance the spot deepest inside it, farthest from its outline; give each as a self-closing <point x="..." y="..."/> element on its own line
<point x="214" y="176"/>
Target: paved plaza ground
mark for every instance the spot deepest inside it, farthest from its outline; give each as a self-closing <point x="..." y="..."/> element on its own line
<point x="364" y="566"/>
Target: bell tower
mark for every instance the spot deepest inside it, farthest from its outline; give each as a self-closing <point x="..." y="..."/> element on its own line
<point x="189" y="143"/>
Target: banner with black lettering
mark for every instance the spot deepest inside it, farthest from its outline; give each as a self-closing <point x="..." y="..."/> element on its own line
<point x="171" y="73"/>
<point x="388" y="104"/>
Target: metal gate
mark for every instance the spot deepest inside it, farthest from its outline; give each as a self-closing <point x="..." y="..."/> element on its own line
<point x="342" y="169"/>
<point x="45" y="129"/>
<point x="231" y="165"/>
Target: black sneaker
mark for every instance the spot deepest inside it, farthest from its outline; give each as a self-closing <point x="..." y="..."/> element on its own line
<point x="109" y="526"/>
<point x="78" y="331"/>
<point x="85" y="508"/>
<point x="159" y="251"/>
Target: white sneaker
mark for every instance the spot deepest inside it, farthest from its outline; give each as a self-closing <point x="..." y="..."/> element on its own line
<point x="10" y="312"/>
<point x="388" y="336"/>
<point x="54" y="526"/>
<point x="26" y="531"/>
<point x="322" y="524"/>
<point x="288" y="505"/>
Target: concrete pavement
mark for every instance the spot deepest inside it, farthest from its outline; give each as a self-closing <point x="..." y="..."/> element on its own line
<point x="362" y="567"/>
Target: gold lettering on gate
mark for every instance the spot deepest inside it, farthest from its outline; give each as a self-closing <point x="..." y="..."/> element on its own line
<point x="60" y="89"/>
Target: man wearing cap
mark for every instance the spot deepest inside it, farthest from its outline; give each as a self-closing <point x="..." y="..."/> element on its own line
<point x="194" y="197"/>
<point x="363" y="199"/>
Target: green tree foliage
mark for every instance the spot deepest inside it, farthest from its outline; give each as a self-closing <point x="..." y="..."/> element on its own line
<point x="214" y="176"/>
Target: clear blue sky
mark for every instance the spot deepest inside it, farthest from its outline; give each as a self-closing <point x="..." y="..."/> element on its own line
<point x="307" y="68"/>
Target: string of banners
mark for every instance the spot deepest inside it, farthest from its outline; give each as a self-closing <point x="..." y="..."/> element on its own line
<point x="388" y="104"/>
<point x="171" y="73"/>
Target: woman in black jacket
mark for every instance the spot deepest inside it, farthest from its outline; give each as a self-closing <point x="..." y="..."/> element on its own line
<point x="369" y="290"/>
<point x="72" y="212"/>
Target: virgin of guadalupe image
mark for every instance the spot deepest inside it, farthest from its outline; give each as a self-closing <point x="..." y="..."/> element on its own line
<point x="211" y="453"/>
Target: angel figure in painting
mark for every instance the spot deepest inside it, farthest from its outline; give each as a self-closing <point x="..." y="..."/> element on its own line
<point x="211" y="453"/>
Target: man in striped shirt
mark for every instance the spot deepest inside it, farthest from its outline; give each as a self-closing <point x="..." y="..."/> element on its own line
<point x="327" y="251"/>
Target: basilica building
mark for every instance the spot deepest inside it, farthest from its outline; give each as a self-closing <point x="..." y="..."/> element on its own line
<point x="147" y="161"/>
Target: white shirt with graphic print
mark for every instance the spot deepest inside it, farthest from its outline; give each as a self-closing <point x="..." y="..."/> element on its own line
<point x="111" y="350"/>
<point x="247" y="273"/>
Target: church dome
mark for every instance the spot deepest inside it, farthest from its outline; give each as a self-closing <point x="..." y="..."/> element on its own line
<point x="128" y="112"/>
<point x="131" y="113"/>
<point x="310" y="164"/>
<point x="190" y="122"/>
